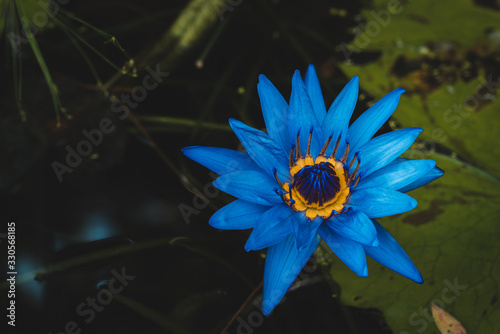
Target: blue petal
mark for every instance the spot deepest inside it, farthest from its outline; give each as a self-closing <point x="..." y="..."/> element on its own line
<point x="251" y="186"/>
<point x="274" y="110"/>
<point x="381" y="202"/>
<point x="354" y="225"/>
<point x="314" y="90"/>
<point x="238" y="215"/>
<point x="397" y="174"/>
<point x="270" y="228"/>
<point x="263" y="150"/>
<point x="301" y="117"/>
<point x="390" y="254"/>
<point x="431" y="175"/>
<point x="283" y="263"/>
<point x="383" y="149"/>
<point x="220" y="160"/>
<point x="371" y="120"/>
<point x="348" y="251"/>
<point x="304" y="229"/>
<point x="337" y="120"/>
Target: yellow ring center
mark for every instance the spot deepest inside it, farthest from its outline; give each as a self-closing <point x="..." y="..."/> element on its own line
<point x="320" y="186"/>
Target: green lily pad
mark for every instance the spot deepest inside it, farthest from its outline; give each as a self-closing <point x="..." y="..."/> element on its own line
<point x="446" y="54"/>
<point x="414" y="23"/>
<point x="452" y="237"/>
<point x="442" y="53"/>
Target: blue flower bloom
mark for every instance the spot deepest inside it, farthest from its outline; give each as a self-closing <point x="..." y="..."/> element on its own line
<point x="313" y="177"/>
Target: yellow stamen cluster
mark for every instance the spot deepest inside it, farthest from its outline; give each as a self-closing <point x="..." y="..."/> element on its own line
<point x="324" y="209"/>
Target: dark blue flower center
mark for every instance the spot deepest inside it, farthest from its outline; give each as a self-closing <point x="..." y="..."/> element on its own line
<point x="317" y="184"/>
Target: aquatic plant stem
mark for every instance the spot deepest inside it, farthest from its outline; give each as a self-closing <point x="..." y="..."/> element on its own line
<point x="184" y="180"/>
<point x="249" y="298"/>
<point x="186" y="122"/>
<point x="167" y="323"/>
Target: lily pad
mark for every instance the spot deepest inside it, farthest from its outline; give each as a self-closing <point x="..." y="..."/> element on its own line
<point x="445" y="54"/>
<point x="415" y="22"/>
<point x="449" y="63"/>
<point x="452" y="237"/>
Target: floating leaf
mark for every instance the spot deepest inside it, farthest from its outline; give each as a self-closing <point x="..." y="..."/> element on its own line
<point x="452" y="76"/>
<point x="452" y="80"/>
<point x="452" y="237"/>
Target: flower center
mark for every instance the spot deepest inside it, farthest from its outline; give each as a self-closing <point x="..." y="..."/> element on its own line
<point x="320" y="186"/>
<point x="317" y="183"/>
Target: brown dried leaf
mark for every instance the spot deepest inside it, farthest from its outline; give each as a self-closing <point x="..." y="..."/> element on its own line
<point x="446" y="323"/>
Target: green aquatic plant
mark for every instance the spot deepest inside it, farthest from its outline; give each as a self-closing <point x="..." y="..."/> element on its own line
<point x="22" y="21"/>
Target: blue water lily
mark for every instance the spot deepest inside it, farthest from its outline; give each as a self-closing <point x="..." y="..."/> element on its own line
<point x="313" y="177"/>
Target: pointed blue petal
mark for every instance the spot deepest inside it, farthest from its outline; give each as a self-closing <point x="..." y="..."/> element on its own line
<point x="348" y="251"/>
<point x="354" y="225"/>
<point x="337" y="120"/>
<point x="270" y="228"/>
<point x="238" y="215"/>
<point x="220" y="160"/>
<point x="397" y="174"/>
<point x="314" y="89"/>
<point x="251" y="186"/>
<point x="382" y="150"/>
<point x="371" y="120"/>
<point x="431" y="175"/>
<point x="301" y="117"/>
<point x="390" y="254"/>
<point x="304" y="229"/>
<point x="274" y="110"/>
<point x="283" y="263"/>
<point x="263" y="150"/>
<point x="381" y="202"/>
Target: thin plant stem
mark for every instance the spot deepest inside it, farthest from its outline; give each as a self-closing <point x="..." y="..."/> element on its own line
<point x="249" y="298"/>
